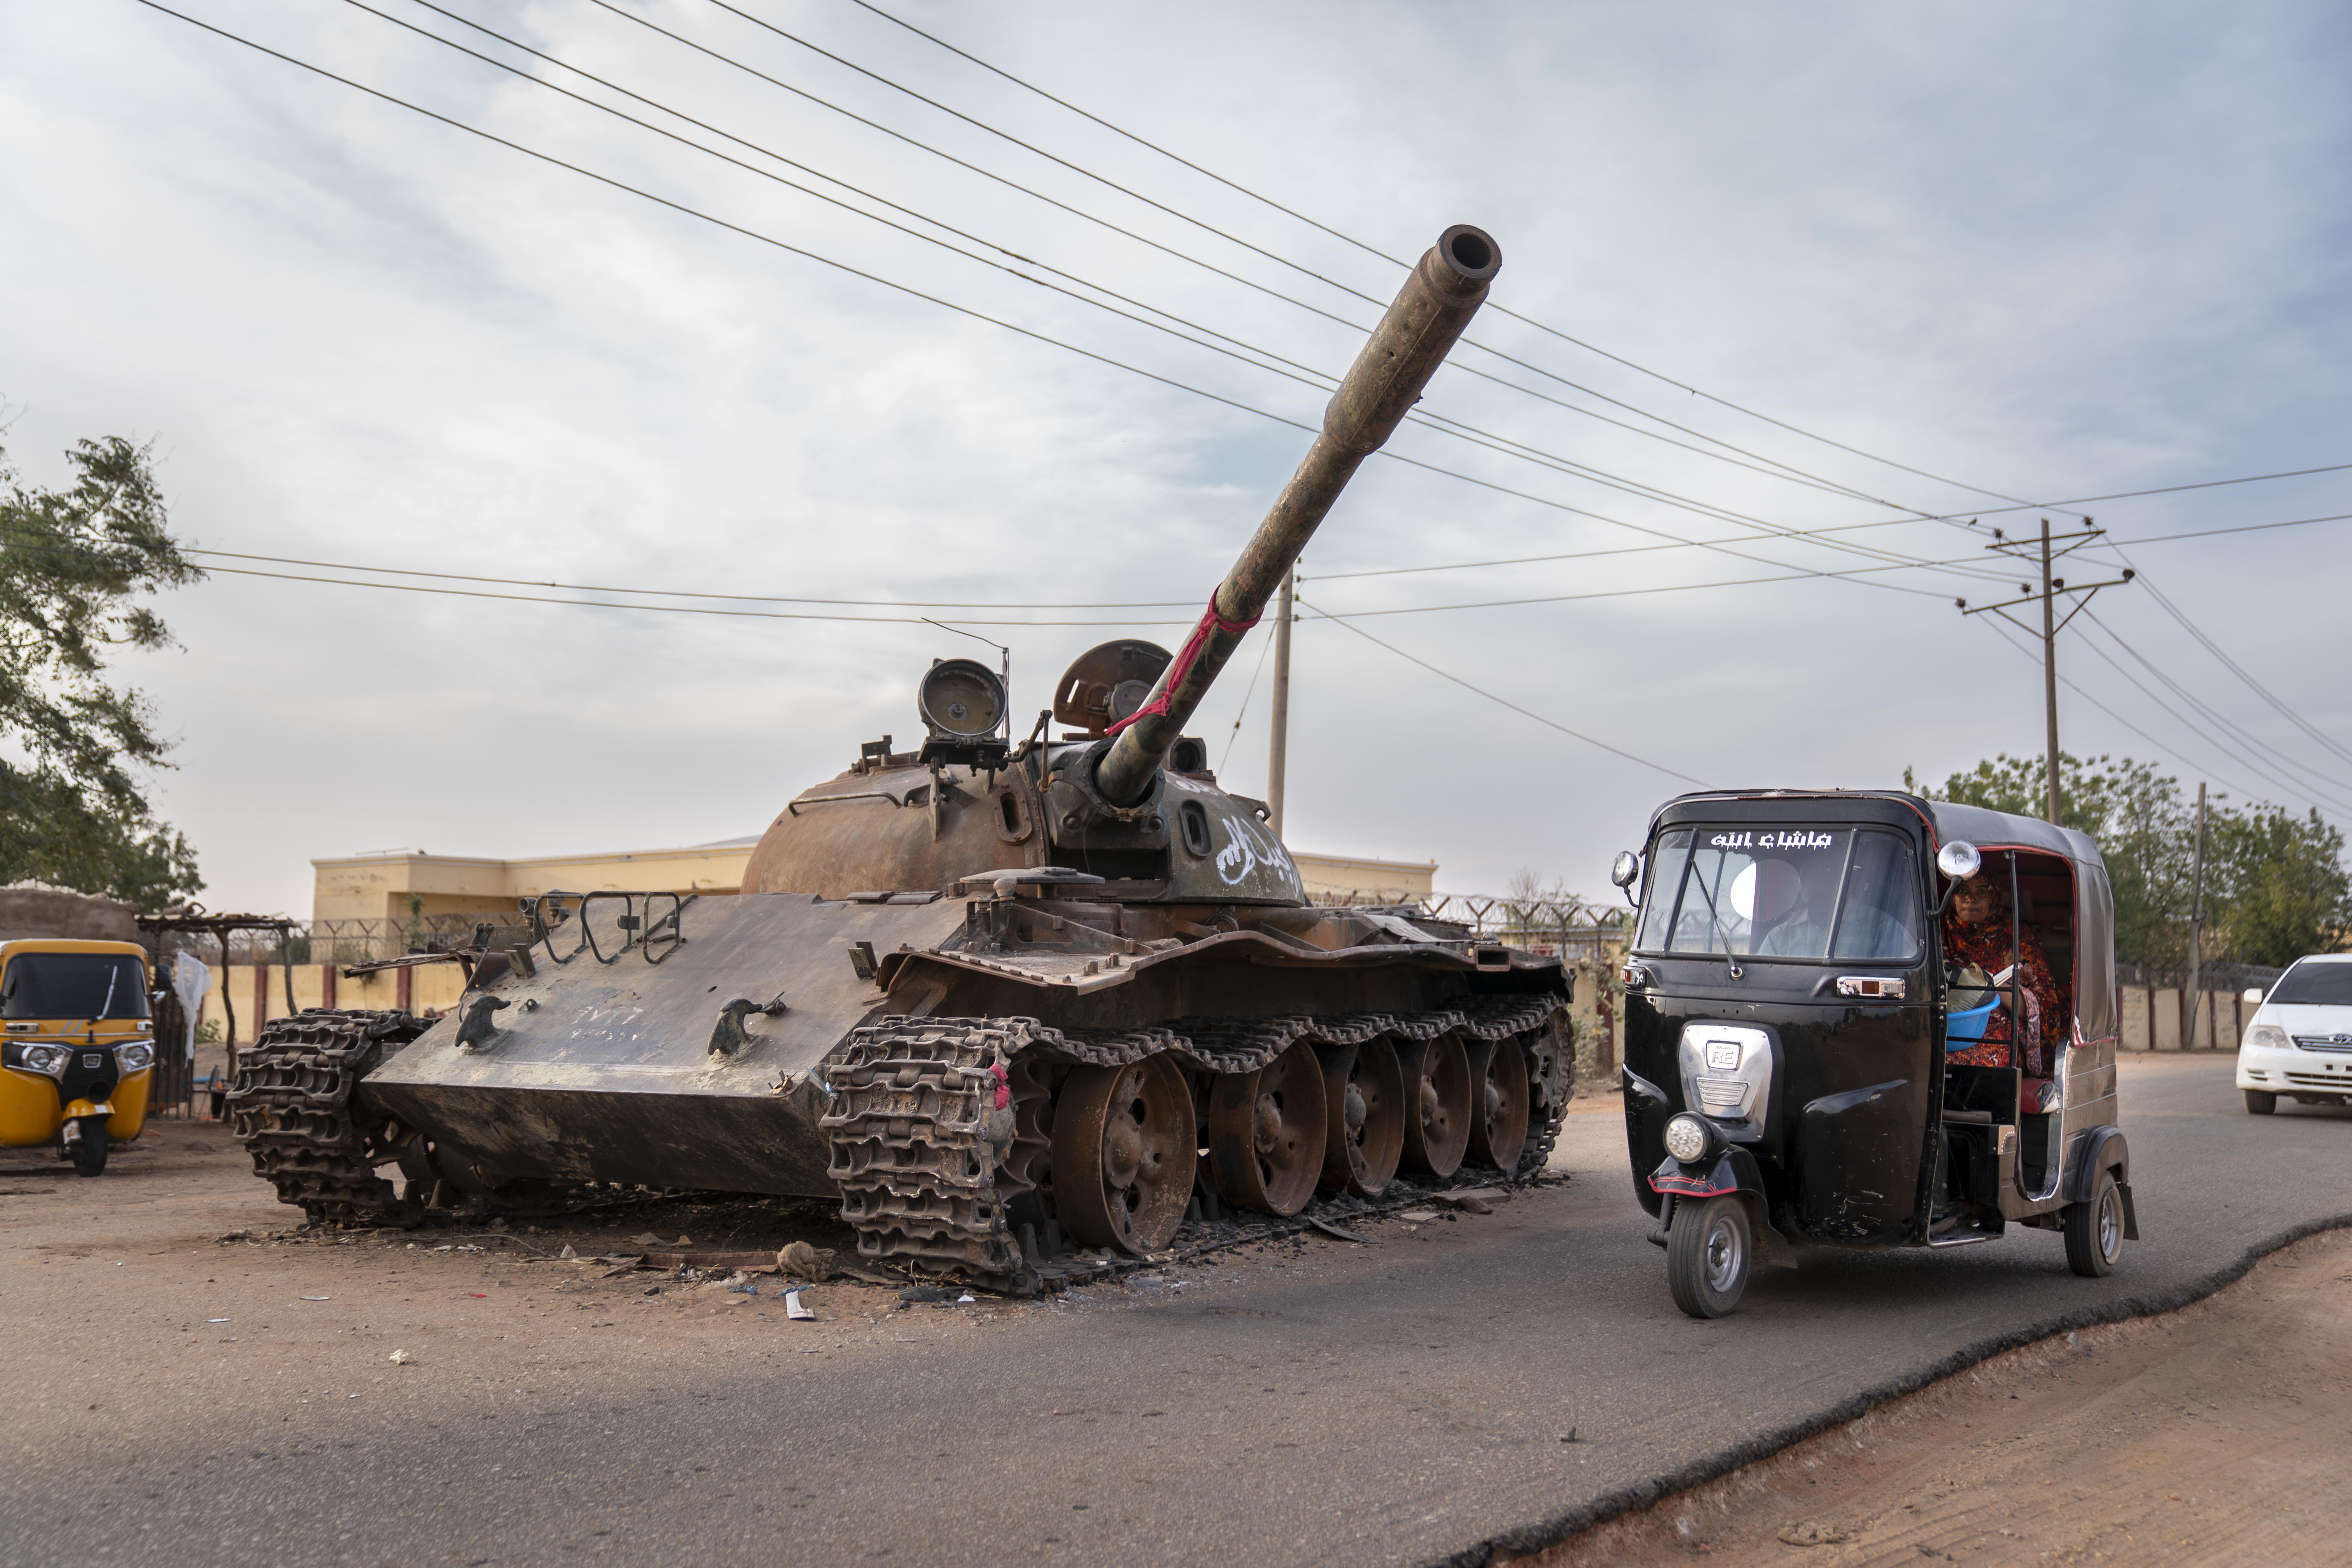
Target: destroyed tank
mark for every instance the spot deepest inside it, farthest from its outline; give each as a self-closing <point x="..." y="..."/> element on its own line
<point x="1009" y="1002"/>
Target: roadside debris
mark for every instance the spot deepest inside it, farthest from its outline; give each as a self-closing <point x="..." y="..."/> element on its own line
<point x="402" y="1358"/>
<point x="796" y="1308"/>
<point x="1327" y="1229"/>
<point x="801" y="1260"/>
<point x="1418" y="1217"/>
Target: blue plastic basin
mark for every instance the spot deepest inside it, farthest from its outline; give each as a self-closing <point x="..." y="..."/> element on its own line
<point x="1962" y="1030"/>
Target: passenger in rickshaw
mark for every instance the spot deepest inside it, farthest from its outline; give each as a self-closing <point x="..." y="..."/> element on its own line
<point x="1978" y="930"/>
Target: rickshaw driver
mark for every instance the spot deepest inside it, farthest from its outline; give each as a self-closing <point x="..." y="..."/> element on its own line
<point x="1868" y="931"/>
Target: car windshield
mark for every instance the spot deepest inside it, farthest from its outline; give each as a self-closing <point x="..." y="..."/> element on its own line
<point x="2314" y="985"/>
<point x="73" y="986"/>
<point x="1782" y="892"/>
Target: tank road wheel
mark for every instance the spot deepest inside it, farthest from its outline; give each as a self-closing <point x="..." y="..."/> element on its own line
<point x="1266" y="1133"/>
<point x="1437" y="1101"/>
<point x="1498" y="1128"/>
<point x="2094" y="1230"/>
<point x="1123" y="1154"/>
<point x="1363" y="1093"/>
<point x="1708" y="1252"/>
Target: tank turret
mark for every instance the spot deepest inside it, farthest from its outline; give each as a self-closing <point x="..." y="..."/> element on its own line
<point x="1134" y="803"/>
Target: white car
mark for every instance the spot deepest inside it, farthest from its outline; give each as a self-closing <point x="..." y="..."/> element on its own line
<point x="2299" y="1043"/>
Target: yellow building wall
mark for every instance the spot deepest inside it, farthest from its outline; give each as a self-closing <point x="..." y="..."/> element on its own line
<point x="398" y="887"/>
<point x="435" y="987"/>
<point x="1344" y="874"/>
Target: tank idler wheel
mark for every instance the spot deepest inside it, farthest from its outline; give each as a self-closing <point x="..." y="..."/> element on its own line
<point x="1437" y="1107"/>
<point x="1498" y="1128"/>
<point x="1363" y="1093"/>
<point x="1709" y="1251"/>
<point x="1124" y="1150"/>
<point x="1266" y="1133"/>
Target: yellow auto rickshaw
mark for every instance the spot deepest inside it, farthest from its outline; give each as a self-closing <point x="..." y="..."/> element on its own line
<point x="79" y="1045"/>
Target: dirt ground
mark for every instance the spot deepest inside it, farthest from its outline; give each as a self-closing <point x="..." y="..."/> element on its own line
<point x="2218" y="1434"/>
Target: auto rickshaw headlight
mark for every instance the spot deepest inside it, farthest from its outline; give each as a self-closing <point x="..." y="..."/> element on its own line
<point x="1687" y="1138"/>
<point x="50" y="1059"/>
<point x="136" y="1057"/>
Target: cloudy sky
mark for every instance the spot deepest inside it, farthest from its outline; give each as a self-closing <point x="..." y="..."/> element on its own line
<point x="2038" y="253"/>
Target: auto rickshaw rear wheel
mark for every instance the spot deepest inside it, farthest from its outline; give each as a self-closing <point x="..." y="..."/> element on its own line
<point x="1708" y="1253"/>
<point x="2260" y="1102"/>
<point x="89" y="1150"/>
<point x="2094" y="1230"/>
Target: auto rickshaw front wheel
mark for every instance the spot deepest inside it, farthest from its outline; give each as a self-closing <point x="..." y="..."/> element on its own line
<point x="2094" y="1230"/>
<point x="1709" y="1250"/>
<point x="87" y="1149"/>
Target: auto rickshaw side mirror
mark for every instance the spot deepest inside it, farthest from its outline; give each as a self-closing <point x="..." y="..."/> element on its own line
<point x="1624" y="871"/>
<point x="1958" y="861"/>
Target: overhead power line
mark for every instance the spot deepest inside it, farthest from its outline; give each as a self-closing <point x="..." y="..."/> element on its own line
<point x="2034" y="659"/>
<point x="1844" y="528"/>
<point x="2265" y="762"/>
<point x="1326" y="228"/>
<point x="674" y="609"/>
<point x="1798" y="475"/>
<point x="1323" y="380"/>
<point x="691" y="593"/>
<point x="979" y="315"/>
<point x="1506" y="702"/>
<point x="2235" y="668"/>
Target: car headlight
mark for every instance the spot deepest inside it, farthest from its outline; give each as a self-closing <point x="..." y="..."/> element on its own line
<point x="2269" y="1035"/>
<point x="136" y="1057"/>
<point x="49" y="1060"/>
<point x="1687" y="1138"/>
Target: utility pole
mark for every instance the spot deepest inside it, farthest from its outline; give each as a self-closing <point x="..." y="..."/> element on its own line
<point x="2050" y="679"/>
<point x="2051" y="625"/>
<point x="1278" y="743"/>
<point x="2196" y="933"/>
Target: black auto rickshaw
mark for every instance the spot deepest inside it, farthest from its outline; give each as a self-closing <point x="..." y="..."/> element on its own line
<point x="1791" y="1008"/>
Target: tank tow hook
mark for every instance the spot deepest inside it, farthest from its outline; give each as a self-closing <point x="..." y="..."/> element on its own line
<point x="729" y="1037"/>
<point x="476" y="1030"/>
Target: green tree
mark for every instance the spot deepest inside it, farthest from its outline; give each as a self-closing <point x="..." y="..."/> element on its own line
<point x="2285" y="893"/>
<point x="2137" y="815"/>
<point x="74" y="747"/>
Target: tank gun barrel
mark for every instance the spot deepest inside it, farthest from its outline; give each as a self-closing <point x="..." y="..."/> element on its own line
<point x="1445" y="290"/>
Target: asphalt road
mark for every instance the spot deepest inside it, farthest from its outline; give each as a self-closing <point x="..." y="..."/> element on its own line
<point x="1392" y="1404"/>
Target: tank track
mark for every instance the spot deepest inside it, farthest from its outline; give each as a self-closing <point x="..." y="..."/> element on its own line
<point x="914" y="1104"/>
<point x="290" y="1105"/>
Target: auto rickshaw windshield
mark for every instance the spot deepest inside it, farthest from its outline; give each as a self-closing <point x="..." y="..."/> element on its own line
<point x="1815" y="893"/>
<point x="73" y="986"/>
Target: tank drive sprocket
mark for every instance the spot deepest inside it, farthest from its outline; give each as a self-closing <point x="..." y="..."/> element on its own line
<point x="935" y="1123"/>
<point x="291" y="1105"/>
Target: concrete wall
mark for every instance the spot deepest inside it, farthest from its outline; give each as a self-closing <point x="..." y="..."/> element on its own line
<point x="2153" y="1018"/>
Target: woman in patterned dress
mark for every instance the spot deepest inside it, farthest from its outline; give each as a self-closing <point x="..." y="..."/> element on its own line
<point x="1977" y="931"/>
